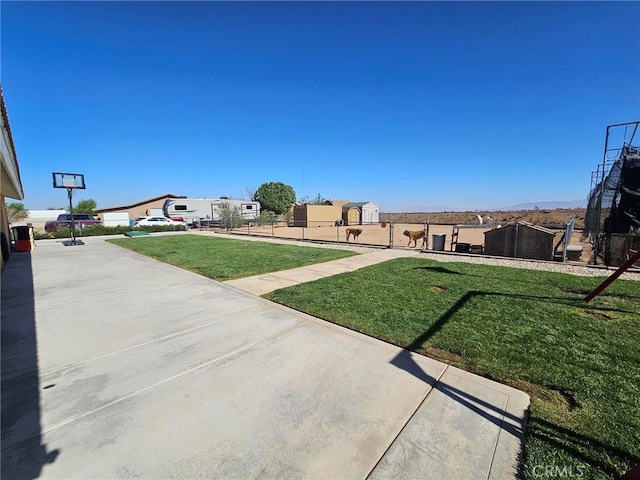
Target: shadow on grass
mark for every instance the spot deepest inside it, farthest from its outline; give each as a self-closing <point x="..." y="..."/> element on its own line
<point x="23" y="452"/>
<point x="574" y="444"/>
<point x="416" y="344"/>
<point x="439" y="270"/>
<point x="572" y="302"/>
<point x="584" y="291"/>
<point x="559" y="437"/>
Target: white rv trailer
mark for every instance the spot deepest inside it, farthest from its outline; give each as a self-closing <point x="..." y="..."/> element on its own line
<point x="205" y="211"/>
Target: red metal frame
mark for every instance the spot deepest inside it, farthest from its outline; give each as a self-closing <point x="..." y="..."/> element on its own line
<point x="623" y="268"/>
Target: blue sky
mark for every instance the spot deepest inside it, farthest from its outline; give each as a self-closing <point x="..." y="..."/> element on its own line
<point x="411" y="105"/>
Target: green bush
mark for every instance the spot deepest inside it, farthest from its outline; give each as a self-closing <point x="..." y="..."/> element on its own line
<point x="267" y="218"/>
<point x="96" y="230"/>
<point x="230" y="215"/>
<point x="159" y="228"/>
<point x="60" y="233"/>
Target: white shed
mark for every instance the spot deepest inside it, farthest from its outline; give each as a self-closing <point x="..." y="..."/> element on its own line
<point x="116" y="219"/>
<point x="360" y="213"/>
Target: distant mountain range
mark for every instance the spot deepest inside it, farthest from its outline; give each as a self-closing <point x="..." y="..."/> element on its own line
<point x="548" y="205"/>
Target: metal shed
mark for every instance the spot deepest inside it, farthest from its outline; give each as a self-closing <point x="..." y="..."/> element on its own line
<point x="360" y="213"/>
<point x="520" y="240"/>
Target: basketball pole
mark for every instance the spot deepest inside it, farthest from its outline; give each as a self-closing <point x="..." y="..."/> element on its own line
<point x="73" y="240"/>
<point x="73" y="225"/>
<point x="71" y="182"/>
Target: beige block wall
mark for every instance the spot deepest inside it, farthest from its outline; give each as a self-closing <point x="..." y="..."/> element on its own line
<point x="322" y="215"/>
<point x="316" y="215"/>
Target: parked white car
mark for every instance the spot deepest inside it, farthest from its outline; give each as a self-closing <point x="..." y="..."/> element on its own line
<point x="157" y="221"/>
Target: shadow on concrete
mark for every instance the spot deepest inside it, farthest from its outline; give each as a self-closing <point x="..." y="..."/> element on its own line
<point x="23" y="453"/>
<point x="490" y="412"/>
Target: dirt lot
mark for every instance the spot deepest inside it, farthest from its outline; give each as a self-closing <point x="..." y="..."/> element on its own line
<point x="440" y="223"/>
<point x="545" y="218"/>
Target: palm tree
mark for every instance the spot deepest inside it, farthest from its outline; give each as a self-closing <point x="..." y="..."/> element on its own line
<point x="16" y="212"/>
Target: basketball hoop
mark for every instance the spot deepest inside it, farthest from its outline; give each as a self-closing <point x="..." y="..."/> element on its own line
<point x="70" y="181"/>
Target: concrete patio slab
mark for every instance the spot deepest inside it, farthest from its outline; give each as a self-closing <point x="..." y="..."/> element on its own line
<point x="261" y="284"/>
<point x="117" y="366"/>
<point x="443" y="440"/>
<point x="286" y="406"/>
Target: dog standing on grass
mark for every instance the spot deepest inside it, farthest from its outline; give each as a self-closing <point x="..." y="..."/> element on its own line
<point x="355" y="232"/>
<point x="414" y="236"/>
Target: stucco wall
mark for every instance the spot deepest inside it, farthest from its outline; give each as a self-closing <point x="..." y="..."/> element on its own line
<point x="4" y="226"/>
<point x="137" y="211"/>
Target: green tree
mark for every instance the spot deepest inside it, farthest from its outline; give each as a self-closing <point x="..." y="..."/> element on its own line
<point x="318" y="200"/>
<point x="85" y="206"/>
<point x="276" y="197"/>
<point x="16" y="212"/>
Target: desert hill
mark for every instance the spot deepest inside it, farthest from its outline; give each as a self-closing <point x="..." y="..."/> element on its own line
<point x="555" y="218"/>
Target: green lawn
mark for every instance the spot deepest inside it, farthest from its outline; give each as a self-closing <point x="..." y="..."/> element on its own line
<point x="225" y="259"/>
<point x="532" y="330"/>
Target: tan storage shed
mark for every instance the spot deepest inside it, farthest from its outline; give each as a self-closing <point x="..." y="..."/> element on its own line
<point x="360" y="213"/>
<point x="308" y="215"/>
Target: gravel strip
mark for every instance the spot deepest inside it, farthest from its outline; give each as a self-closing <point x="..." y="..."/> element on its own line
<point x="533" y="265"/>
<point x="571" y="269"/>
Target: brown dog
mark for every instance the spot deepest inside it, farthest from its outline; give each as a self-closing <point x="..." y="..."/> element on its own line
<point x="355" y="232"/>
<point x="414" y="236"/>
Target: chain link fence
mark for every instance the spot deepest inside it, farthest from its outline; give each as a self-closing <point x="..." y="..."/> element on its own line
<point x="519" y="240"/>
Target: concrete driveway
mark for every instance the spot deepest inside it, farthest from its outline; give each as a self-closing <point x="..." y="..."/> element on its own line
<point x="118" y="366"/>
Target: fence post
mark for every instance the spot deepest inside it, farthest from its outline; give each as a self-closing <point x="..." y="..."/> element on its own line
<point x="426" y="236"/>
<point x="337" y="232"/>
<point x="568" y="233"/>
<point x="272" y="223"/>
<point x="453" y="230"/>
<point x="515" y="243"/>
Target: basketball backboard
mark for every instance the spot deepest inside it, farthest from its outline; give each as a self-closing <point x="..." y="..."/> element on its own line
<point x="68" y="180"/>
